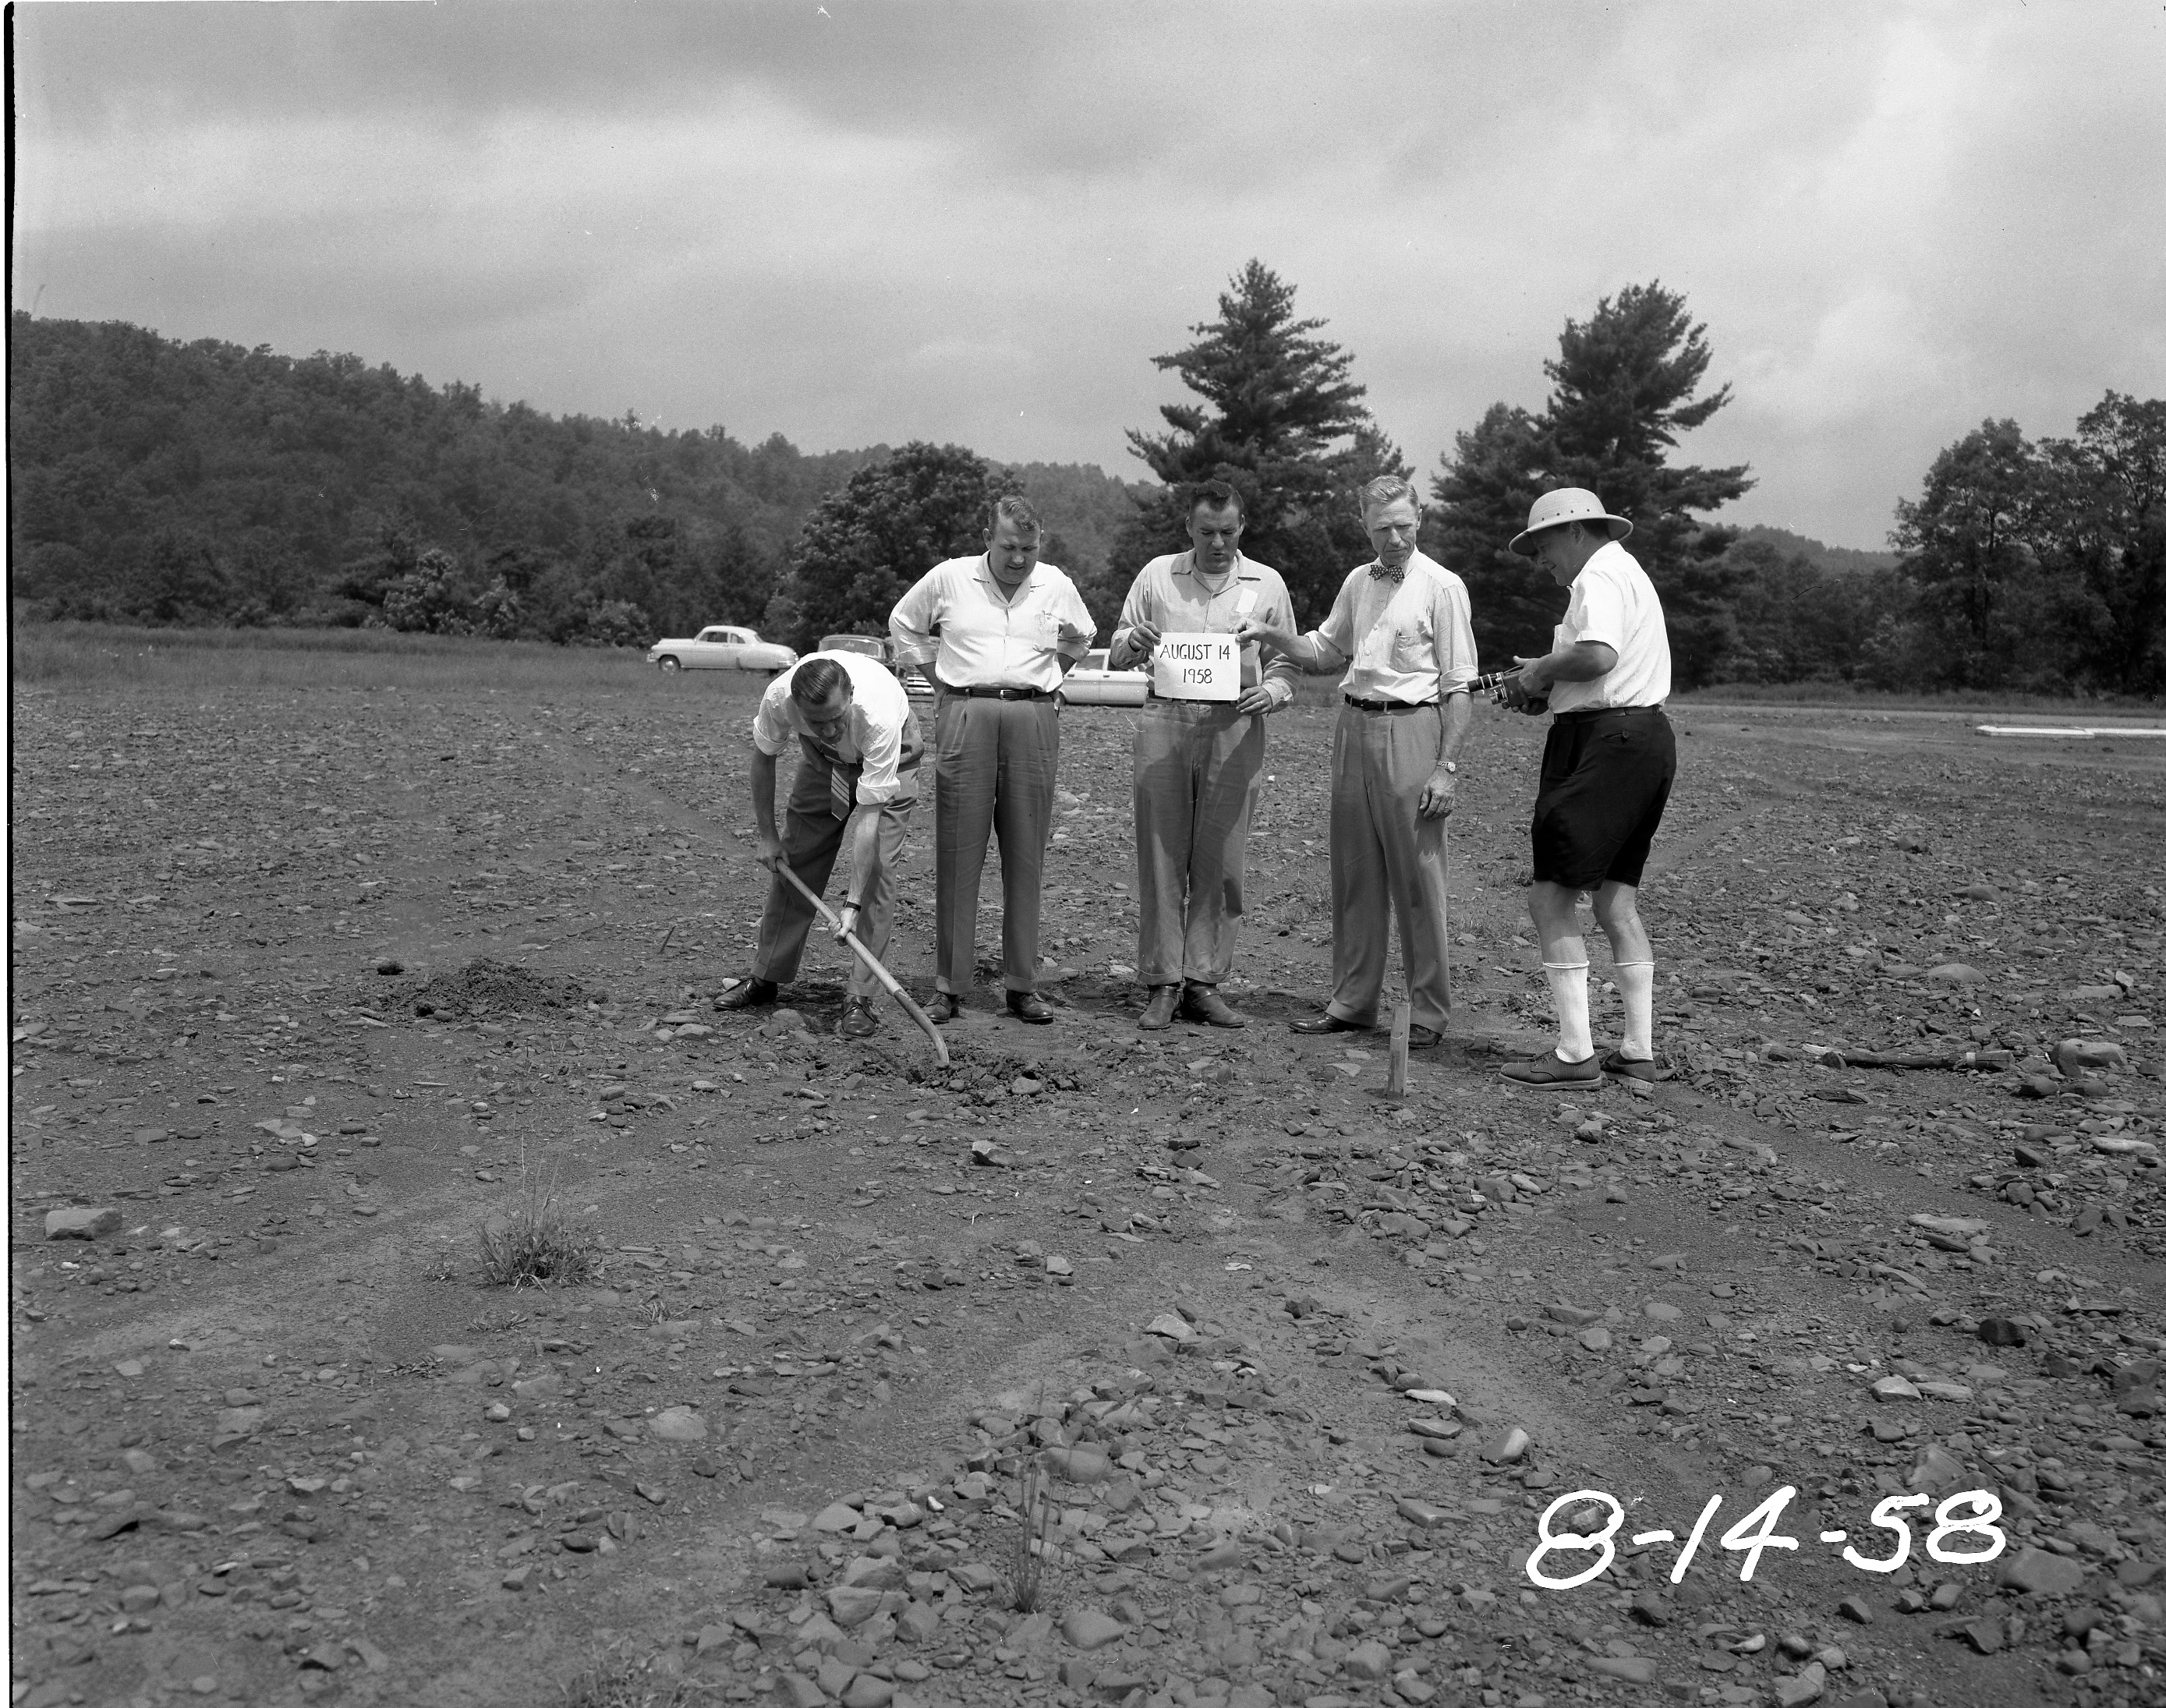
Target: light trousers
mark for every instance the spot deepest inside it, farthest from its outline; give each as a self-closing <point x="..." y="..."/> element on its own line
<point x="993" y="777"/>
<point x="812" y="838"/>
<point x="1199" y="767"/>
<point x="1386" y="863"/>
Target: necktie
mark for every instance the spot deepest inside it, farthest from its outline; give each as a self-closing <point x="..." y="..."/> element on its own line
<point x="841" y="787"/>
<point x="1381" y="573"/>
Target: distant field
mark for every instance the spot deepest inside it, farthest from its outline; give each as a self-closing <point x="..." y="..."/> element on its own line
<point x="60" y="654"/>
<point x="100" y="656"/>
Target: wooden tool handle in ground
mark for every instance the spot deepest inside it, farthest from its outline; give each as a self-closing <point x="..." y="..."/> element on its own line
<point x="1402" y="1020"/>
<point x="872" y="962"/>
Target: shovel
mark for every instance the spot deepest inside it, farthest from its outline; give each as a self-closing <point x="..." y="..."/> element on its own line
<point x="872" y="962"/>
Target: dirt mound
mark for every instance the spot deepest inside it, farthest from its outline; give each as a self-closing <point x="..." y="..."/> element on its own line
<point x="484" y="988"/>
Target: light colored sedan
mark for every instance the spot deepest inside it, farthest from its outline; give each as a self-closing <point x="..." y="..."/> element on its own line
<point x="1095" y="683"/>
<point x="722" y="648"/>
<point x="915" y="683"/>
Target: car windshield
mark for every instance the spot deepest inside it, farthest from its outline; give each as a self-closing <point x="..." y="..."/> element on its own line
<point x="865" y="644"/>
<point x="1097" y="659"/>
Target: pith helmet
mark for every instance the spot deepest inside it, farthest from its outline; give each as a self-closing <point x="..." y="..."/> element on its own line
<point x="1567" y="504"/>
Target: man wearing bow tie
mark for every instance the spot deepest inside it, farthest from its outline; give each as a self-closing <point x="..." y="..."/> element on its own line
<point x="1400" y="630"/>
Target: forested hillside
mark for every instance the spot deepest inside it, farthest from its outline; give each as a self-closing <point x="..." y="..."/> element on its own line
<point x="204" y="482"/>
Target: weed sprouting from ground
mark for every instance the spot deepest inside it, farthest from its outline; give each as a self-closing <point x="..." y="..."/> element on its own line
<point x="1033" y="1562"/>
<point x="616" y="1681"/>
<point x="535" y="1243"/>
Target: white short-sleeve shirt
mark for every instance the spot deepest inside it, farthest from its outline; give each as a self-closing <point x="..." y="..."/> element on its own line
<point x="1613" y="601"/>
<point x="957" y="619"/>
<point x="871" y="734"/>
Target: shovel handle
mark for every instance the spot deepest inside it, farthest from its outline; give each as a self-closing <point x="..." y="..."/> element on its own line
<point x="872" y="963"/>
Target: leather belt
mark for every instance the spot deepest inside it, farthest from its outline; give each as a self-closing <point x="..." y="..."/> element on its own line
<point x="1002" y="694"/>
<point x="1586" y="714"/>
<point x="1387" y="705"/>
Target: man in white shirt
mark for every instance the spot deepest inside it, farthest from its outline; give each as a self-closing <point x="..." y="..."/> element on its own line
<point x="1199" y="763"/>
<point x="1606" y="769"/>
<point x="860" y="746"/>
<point x="1400" y="630"/>
<point x="996" y="633"/>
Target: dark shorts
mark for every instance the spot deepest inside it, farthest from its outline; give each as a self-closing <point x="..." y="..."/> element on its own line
<point x="1606" y="777"/>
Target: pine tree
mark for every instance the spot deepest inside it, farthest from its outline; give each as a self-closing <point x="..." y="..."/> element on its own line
<point x="1625" y="386"/>
<point x="1283" y="423"/>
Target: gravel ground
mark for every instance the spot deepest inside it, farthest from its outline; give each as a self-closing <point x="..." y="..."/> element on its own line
<point x="1267" y="1385"/>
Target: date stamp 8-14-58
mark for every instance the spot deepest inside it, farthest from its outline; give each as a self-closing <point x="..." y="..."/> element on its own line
<point x="1974" y="1513"/>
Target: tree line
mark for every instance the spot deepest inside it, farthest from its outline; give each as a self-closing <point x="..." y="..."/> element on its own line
<point x="163" y="482"/>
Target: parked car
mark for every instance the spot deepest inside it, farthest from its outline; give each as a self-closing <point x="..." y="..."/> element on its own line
<point x="722" y="648"/>
<point x="915" y="682"/>
<point x="864" y="646"/>
<point x="1095" y="683"/>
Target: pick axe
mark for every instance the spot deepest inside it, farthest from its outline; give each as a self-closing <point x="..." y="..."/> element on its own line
<point x="871" y="961"/>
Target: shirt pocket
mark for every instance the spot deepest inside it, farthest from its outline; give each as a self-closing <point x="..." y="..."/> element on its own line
<point x="1414" y="647"/>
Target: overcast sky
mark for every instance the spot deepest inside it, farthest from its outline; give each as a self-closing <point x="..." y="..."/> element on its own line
<point x="850" y="223"/>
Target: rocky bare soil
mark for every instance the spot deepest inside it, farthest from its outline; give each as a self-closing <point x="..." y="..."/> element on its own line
<point x="1254" y="1385"/>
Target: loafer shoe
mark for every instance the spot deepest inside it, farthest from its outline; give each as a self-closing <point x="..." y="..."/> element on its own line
<point x="1549" y="1068"/>
<point x="1202" y="1004"/>
<point x="1157" y="1013"/>
<point x="1617" y="1062"/>
<point x="1027" y="1005"/>
<point x="1325" y="1023"/>
<point x="1423" y="1038"/>
<point x="753" y="993"/>
<point x="858" y="1020"/>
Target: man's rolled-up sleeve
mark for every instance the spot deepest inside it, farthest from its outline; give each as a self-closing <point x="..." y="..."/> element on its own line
<point x="1600" y="603"/>
<point x="1074" y="614"/>
<point x="1282" y="675"/>
<point x="1336" y="631"/>
<point x="912" y="620"/>
<point x="770" y="724"/>
<point x="879" y="743"/>
<point x="1457" y="664"/>
<point x="1141" y="606"/>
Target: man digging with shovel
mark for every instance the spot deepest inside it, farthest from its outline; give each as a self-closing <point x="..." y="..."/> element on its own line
<point x="860" y="747"/>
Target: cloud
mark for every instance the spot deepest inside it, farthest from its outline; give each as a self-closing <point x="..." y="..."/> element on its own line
<point x="871" y="222"/>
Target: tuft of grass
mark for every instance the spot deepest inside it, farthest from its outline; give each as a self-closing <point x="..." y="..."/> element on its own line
<point x="536" y="1243"/>
<point x="617" y="1681"/>
<point x="1033" y="1559"/>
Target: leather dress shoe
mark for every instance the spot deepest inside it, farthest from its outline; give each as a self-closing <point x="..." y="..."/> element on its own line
<point x="1325" y="1023"/>
<point x="1202" y="1003"/>
<point x="753" y="993"/>
<point x="1550" y="1069"/>
<point x="1630" y="1067"/>
<point x="1029" y="1006"/>
<point x="946" y="1008"/>
<point x="858" y="1020"/>
<point x="1419" y="1037"/>
<point x="1157" y="1013"/>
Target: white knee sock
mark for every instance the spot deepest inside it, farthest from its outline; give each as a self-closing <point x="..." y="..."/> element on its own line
<point x="1568" y="990"/>
<point x="1635" y="983"/>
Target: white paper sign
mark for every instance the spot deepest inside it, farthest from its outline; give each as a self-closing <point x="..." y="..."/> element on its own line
<point x="1196" y="667"/>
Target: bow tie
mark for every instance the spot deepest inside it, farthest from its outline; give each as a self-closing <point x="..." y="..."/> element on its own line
<point x="1381" y="573"/>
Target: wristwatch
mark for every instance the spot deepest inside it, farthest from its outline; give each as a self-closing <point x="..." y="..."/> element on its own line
<point x="1451" y="768"/>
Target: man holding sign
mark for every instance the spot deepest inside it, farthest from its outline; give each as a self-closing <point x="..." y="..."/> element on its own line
<point x="1400" y="630"/>
<point x="1199" y="753"/>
